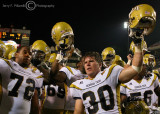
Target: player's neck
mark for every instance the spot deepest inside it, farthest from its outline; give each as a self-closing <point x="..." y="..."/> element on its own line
<point x="24" y="65"/>
<point x="138" y="77"/>
<point x="92" y="76"/>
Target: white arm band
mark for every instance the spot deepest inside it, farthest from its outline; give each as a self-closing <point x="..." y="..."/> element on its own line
<point x="138" y="69"/>
<point x="138" y="49"/>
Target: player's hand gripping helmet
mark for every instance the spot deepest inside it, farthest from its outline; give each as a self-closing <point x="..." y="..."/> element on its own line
<point x="142" y="18"/>
<point x="108" y="55"/>
<point x="52" y="58"/>
<point x="39" y="50"/>
<point x="62" y="35"/>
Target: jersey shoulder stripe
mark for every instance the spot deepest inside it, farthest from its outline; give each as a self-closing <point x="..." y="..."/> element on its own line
<point x="154" y="78"/>
<point x="39" y="76"/>
<point x="125" y="86"/>
<point x="69" y="68"/>
<point x="74" y="86"/>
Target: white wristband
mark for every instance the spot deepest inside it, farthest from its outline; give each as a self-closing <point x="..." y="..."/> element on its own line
<point x="138" y="69"/>
<point x="138" y="49"/>
<point x="129" y="62"/>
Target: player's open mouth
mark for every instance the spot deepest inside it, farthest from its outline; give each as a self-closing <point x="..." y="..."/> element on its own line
<point x="88" y="68"/>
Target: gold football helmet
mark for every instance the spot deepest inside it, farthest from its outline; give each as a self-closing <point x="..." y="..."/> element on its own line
<point x="136" y="107"/>
<point x="118" y="60"/>
<point x="2" y="49"/>
<point x="142" y="16"/>
<point x="8" y="49"/>
<point x="108" y="55"/>
<point x="62" y="35"/>
<point x="11" y="54"/>
<point x="38" y="42"/>
<point x="39" y="50"/>
<point x="149" y="60"/>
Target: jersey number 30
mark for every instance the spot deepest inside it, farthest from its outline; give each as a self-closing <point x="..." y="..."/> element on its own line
<point x="102" y="99"/>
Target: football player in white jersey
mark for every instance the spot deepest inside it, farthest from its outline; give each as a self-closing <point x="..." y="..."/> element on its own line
<point x="66" y="75"/>
<point x="55" y="95"/>
<point x="63" y="36"/>
<point x="18" y="94"/>
<point x="144" y="86"/>
<point x="99" y="92"/>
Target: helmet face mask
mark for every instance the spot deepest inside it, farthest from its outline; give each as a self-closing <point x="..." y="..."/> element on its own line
<point x="37" y="54"/>
<point x="108" y="60"/>
<point x="66" y="42"/>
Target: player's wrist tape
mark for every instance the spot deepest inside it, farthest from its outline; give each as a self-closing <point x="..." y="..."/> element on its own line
<point x="129" y="62"/>
<point x="138" y="69"/>
<point x="138" y="49"/>
<point x="59" y="57"/>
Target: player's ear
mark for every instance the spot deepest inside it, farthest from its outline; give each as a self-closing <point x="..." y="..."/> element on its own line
<point x="100" y="65"/>
<point x="16" y="55"/>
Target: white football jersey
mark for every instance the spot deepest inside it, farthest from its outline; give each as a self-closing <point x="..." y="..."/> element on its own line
<point x="17" y="87"/>
<point x="143" y="90"/>
<point x="72" y="75"/>
<point x="55" y="97"/>
<point x="100" y="95"/>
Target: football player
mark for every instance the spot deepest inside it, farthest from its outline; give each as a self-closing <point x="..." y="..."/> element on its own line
<point x="18" y="93"/>
<point x="142" y="87"/>
<point x="99" y="92"/>
<point x="55" y="95"/>
<point x="63" y="37"/>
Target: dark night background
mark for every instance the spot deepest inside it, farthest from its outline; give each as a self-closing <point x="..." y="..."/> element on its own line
<point x="96" y="24"/>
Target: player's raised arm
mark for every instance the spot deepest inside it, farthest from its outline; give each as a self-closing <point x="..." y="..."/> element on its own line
<point x="140" y="24"/>
<point x="128" y="73"/>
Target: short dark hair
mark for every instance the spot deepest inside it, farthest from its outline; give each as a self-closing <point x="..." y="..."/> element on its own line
<point x="19" y="48"/>
<point x="94" y="54"/>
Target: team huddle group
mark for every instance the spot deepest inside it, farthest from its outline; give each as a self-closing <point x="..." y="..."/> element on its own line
<point x="35" y="81"/>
